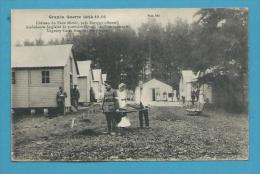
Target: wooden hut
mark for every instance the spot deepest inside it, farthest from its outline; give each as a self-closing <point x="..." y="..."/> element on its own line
<point x="38" y="72"/>
<point x="97" y="84"/>
<point x="85" y="79"/>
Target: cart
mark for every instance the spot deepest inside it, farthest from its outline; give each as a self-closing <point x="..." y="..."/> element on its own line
<point x="195" y="109"/>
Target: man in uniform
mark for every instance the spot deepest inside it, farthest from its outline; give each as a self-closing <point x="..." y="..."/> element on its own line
<point x="92" y="95"/>
<point x="143" y="115"/>
<point x="142" y="106"/>
<point x="60" y="99"/>
<point x="109" y="107"/>
<point x="75" y="95"/>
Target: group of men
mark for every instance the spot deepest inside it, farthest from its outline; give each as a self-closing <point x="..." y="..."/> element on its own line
<point x="62" y="95"/>
<point x="195" y="95"/>
<point x="115" y="108"/>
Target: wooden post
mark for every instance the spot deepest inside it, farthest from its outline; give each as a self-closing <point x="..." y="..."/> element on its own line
<point x="72" y="123"/>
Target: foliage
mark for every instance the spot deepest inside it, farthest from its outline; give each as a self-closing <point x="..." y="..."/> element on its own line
<point x="222" y="52"/>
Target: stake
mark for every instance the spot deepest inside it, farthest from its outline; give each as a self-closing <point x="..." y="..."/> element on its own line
<point x="72" y="123"/>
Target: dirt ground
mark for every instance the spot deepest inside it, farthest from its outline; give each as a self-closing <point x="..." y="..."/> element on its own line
<point x="215" y="135"/>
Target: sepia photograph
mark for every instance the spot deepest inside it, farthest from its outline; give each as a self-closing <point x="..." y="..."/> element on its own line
<point x="151" y="84"/>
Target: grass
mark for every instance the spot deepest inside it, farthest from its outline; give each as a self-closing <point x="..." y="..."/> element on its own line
<point x="216" y="135"/>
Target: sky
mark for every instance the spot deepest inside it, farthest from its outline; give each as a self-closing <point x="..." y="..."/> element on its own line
<point x="20" y="19"/>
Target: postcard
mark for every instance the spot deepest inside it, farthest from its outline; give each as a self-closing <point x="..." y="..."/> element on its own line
<point x="151" y="84"/>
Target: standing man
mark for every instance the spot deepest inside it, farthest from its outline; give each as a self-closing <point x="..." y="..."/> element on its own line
<point x="183" y="99"/>
<point x="92" y="95"/>
<point x="143" y="115"/>
<point x="143" y="108"/>
<point x="60" y="99"/>
<point x="193" y="96"/>
<point x="197" y="93"/>
<point x="109" y="107"/>
<point x="75" y="95"/>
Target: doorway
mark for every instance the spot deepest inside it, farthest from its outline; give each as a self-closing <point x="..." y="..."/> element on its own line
<point x="71" y="81"/>
<point x="153" y="94"/>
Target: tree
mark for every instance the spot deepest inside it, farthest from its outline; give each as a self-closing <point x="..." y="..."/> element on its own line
<point x="116" y="51"/>
<point x="221" y="45"/>
<point x="55" y="42"/>
<point x="39" y="42"/>
<point x="177" y="50"/>
<point x="28" y="43"/>
<point x="18" y="44"/>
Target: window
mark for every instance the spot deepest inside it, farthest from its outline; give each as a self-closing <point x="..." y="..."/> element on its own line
<point x="13" y="77"/>
<point x="45" y="77"/>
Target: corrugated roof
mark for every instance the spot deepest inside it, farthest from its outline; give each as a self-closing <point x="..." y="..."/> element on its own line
<point x="96" y="74"/>
<point x="84" y="68"/>
<point x="40" y="56"/>
<point x="188" y="75"/>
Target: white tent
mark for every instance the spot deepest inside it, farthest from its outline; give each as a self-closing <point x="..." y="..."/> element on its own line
<point x="85" y="78"/>
<point x="185" y="86"/>
<point x="97" y="84"/>
<point x="188" y="78"/>
<point x="104" y="78"/>
<point x="152" y="91"/>
<point x="205" y="89"/>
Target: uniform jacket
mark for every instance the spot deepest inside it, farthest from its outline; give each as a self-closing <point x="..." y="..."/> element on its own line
<point x="75" y="94"/>
<point x="110" y="102"/>
<point x="60" y="96"/>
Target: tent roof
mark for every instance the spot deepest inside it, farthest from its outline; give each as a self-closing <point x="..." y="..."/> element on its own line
<point x="84" y="68"/>
<point x="155" y="82"/>
<point x="41" y="56"/>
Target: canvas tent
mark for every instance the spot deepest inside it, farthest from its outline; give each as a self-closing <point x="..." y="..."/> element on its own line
<point x="205" y="89"/>
<point x="189" y="81"/>
<point x="104" y="78"/>
<point x="85" y="79"/>
<point x="152" y="91"/>
<point x="185" y="85"/>
<point x="38" y="72"/>
<point x="97" y="84"/>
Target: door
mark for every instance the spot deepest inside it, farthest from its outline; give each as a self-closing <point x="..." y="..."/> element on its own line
<point x="153" y="94"/>
<point x="71" y="81"/>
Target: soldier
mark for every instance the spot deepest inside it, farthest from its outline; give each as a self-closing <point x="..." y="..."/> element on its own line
<point x="75" y="95"/>
<point x="143" y="114"/>
<point x="60" y="99"/>
<point x="109" y="107"/>
<point x="193" y="96"/>
<point x="92" y="95"/>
